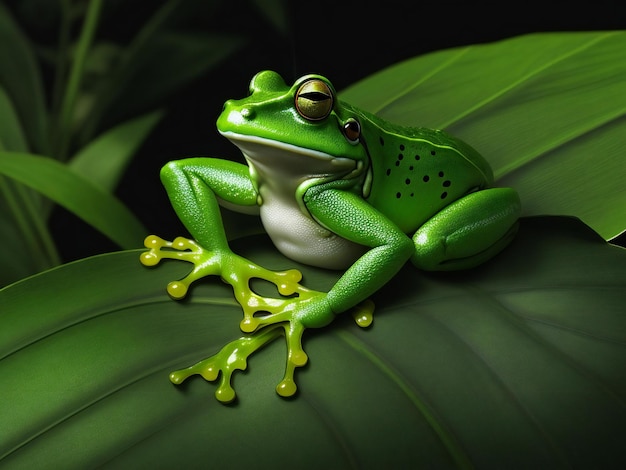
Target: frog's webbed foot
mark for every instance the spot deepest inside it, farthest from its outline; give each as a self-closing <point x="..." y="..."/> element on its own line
<point x="264" y="318"/>
<point x="233" y="269"/>
<point x="234" y="355"/>
<point x="205" y="262"/>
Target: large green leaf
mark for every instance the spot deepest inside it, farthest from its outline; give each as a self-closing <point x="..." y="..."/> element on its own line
<point x="517" y="364"/>
<point x="70" y="190"/>
<point x="548" y="111"/>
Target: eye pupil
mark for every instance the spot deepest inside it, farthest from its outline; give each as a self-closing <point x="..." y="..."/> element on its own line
<point x="314" y="100"/>
<point x="314" y="96"/>
<point x="352" y="130"/>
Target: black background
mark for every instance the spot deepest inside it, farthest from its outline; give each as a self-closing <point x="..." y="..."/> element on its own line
<point x="345" y="41"/>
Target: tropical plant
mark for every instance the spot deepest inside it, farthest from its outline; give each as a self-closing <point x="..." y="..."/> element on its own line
<point x="76" y="103"/>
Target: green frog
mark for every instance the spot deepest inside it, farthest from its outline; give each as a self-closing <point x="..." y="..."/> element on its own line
<point x="335" y="187"/>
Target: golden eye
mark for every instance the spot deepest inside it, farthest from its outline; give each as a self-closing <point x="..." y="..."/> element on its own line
<point x="314" y="100"/>
<point x="352" y="130"/>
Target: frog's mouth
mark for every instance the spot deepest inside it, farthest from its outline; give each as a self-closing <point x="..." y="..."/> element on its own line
<point x="278" y="158"/>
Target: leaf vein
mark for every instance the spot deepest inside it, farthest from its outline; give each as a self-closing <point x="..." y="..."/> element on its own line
<point x="423" y="79"/>
<point x="524" y="78"/>
<point x="552" y="145"/>
<point x="517" y="321"/>
<point x="499" y="381"/>
<point x="446" y="437"/>
<point x="85" y="406"/>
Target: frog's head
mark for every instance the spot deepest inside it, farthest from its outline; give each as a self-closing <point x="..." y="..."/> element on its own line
<point x="303" y="127"/>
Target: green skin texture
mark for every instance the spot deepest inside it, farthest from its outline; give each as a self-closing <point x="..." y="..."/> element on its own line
<point x="380" y="196"/>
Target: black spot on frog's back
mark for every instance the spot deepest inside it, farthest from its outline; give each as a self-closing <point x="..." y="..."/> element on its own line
<point x="416" y="172"/>
<point x="413" y="162"/>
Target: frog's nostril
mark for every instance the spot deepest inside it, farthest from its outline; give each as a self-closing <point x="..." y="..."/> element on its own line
<point x="247" y="113"/>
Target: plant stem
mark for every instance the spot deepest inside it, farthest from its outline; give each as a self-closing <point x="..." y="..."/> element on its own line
<point x="76" y="75"/>
<point x="62" y="54"/>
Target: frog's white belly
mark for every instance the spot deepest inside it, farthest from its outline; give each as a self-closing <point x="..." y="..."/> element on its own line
<point x="300" y="238"/>
<point x="278" y="169"/>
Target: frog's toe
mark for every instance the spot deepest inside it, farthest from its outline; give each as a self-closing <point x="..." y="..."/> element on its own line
<point x="149" y="258"/>
<point x="299" y="358"/>
<point x="205" y="262"/>
<point x="296" y="357"/>
<point x="177" y="289"/>
<point x="287" y="282"/>
<point x="182" y="244"/>
<point x="287" y="388"/>
<point x="248" y="324"/>
<point x="209" y="369"/>
<point x="363" y="313"/>
<point x="225" y="393"/>
<point x="152" y="257"/>
<point x="153" y="242"/>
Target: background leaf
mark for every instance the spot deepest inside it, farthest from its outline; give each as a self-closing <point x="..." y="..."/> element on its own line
<point x="56" y="181"/>
<point x="11" y="134"/>
<point x="155" y="63"/>
<point x="21" y="254"/>
<point x="104" y="159"/>
<point x="276" y="12"/>
<point x="516" y="364"/>
<point x="168" y="61"/>
<point x="548" y="111"/>
<point x="20" y="79"/>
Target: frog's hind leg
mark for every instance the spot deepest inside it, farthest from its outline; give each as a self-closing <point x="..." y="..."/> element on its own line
<point x="468" y="232"/>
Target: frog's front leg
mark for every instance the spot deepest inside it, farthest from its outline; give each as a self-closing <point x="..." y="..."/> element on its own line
<point x="194" y="187"/>
<point x="468" y="232"/>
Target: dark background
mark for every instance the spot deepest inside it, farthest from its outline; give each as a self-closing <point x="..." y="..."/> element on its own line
<point x="345" y="41"/>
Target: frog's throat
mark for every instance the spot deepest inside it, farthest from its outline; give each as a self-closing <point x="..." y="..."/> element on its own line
<point x="255" y="148"/>
<point x="294" y="169"/>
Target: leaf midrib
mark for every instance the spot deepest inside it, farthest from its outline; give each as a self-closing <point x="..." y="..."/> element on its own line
<point x="525" y="78"/>
<point x="497" y="94"/>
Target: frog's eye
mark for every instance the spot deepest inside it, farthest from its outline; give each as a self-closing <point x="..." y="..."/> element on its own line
<point x="314" y="100"/>
<point x="352" y="130"/>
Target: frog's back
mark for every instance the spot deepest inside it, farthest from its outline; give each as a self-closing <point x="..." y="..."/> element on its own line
<point x="416" y="172"/>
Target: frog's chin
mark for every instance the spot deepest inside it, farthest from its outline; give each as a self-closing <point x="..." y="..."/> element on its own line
<point x="275" y="154"/>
